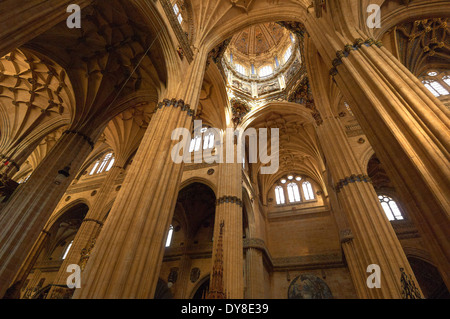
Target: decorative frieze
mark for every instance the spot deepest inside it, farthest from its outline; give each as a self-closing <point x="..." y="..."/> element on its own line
<point x="84" y="136"/>
<point x="345" y="235"/>
<point x="348" y="48"/>
<point x="176" y="103"/>
<point x="229" y="199"/>
<point x="352" y="179"/>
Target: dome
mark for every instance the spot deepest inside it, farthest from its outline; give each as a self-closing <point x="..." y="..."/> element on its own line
<point x="259" y="39"/>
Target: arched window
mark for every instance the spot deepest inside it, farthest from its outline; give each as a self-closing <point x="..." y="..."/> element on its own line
<point x="241" y="69"/>
<point x="265" y="71"/>
<point x="308" y="191"/>
<point x="294" y="185"/>
<point x="390" y="208"/>
<point x="177" y="11"/>
<point x="293" y="193"/>
<point x="438" y="83"/>
<point x="103" y="165"/>
<point x="208" y="138"/>
<point x="446" y="79"/>
<point x="287" y="54"/>
<point x="169" y="237"/>
<point x="66" y="251"/>
<point x="435" y="87"/>
<point x="279" y="195"/>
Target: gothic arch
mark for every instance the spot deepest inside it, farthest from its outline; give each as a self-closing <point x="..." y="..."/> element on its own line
<point x="415" y="10"/>
<point x="65" y="209"/>
<point x="197" y="179"/>
<point x="197" y="286"/>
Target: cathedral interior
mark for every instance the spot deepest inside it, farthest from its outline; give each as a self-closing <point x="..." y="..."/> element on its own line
<point x="358" y="92"/>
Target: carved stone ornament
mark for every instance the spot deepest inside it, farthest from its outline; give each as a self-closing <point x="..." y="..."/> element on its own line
<point x="195" y="274"/>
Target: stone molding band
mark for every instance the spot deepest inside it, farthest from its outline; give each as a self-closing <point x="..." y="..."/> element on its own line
<point x="8" y="161"/>
<point x="178" y="30"/>
<point x="176" y="103"/>
<point x="93" y="220"/>
<point x="84" y="136"/>
<point x="229" y="199"/>
<point x="352" y="179"/>
<point x="346" y="235"/>
<point x="45" y="232"/>
<point x="348" y="48"/>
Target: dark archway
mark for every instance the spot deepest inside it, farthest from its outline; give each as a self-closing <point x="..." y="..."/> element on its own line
<point x="51" y="250"/>
<point x="430" y="281"/>
<point x="162" y="291"/>
<point x="202" y="291"/>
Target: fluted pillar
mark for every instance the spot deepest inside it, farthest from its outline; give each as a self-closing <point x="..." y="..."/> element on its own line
<point x="88" y="231"/>
<point x="27" y="212"/>
<point x="406" y="125"/>
<point x="229" y="211"/>
<point x="254" y="274"/>
<point x="183" y="276"/>
<point x="346" y="239"/>
<point x="127" y="258"/>
<point x="409" y="130"/>
<point x="14" y="291"/>
<point x="374" y="240"/>
<point x="124" y="134"/>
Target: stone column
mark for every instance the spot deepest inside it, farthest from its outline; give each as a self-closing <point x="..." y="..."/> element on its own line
<point x="124" y="134"/>
<point x="29" y="209"/>
<point x="254" y="271"/>
<point x="408" y="128"/>
<point x="183" y="276"/>
<point x="18" y="16"/>
<point x="89" y="230"/>
<point x="374" y="240"/>
<point x="14" y="291"/>
<point x="346" y="239"/>
<point x="405" y="124"/>
<point x="127" y="258"/>
<point x="229" y="211"/>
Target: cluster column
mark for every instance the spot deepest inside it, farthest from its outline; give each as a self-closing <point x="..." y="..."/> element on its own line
<point x="127" y="258"/>
<point x="27" y="212"/>
<point x="86" y="236"/>
<point x="370" y="238"/>
<point x="229" y="212"/>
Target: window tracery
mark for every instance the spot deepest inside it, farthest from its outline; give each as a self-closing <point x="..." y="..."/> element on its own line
<point x="298" y="190"/>
<point x="390" y="208"/>
<point x="103" y="165"/>
<point x="205" y="135"/>
<point x="265" y="71"/>
<point x="169" y="236"/>
<point x="437" y="83"/>
<point x="66" y="251"/>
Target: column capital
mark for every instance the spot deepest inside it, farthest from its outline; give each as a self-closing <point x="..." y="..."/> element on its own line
<point x="176" y="104"/>
<point x="229" y="199"/>
<point x="354" y="178"/>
